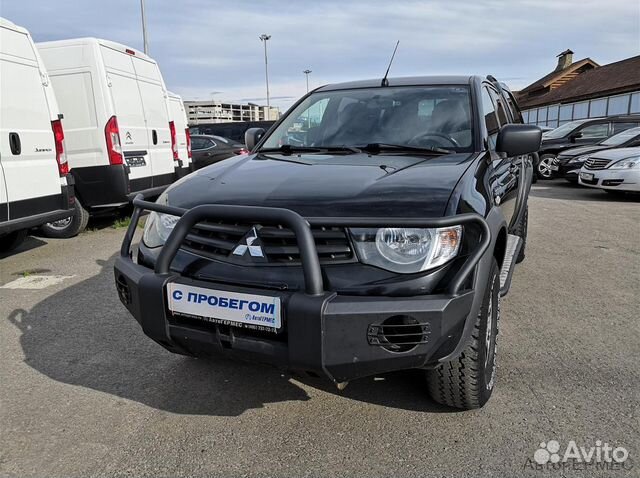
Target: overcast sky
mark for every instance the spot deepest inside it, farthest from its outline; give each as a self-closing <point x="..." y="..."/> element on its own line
<point x="209" y="48"/>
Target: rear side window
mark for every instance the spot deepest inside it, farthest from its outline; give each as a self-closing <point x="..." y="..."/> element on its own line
<point x="198" y="143"/>
<point x="490" y="117"/>
<point x="595" y="131"/>
<point x="619" y="127"/>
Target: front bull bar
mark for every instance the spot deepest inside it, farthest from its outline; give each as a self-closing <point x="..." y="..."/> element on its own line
<point x="301" y="228"/>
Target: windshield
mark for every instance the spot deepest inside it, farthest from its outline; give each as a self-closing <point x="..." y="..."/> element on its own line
<point x="565" y="129"/>
<point x="425" y="116"/>
<point x="620" y="138"/>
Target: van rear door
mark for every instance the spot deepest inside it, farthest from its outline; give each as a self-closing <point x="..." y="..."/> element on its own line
<point x="179" y="118"/>
<point x="31" y="181"/>
<point x="154" y="105"/>
<point x="127" y="103"/>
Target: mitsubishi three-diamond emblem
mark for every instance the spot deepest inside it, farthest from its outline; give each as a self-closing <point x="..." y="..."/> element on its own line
<point x="249" y="243"/>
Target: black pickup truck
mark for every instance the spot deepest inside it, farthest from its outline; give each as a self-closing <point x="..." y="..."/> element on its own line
<point x="373" y="229"/>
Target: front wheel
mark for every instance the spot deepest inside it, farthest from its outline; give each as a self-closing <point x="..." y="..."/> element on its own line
<point x="467" y="382"/>
<point x="69" y="226"/>
<point x="543" y="168"/>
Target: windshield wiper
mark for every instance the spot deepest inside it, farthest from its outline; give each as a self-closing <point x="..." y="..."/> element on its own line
<point x="375" y="148"/>
<point x="288" y="149"/>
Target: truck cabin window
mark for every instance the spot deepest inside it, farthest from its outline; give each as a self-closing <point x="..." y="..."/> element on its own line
<point x="416" y="116"/>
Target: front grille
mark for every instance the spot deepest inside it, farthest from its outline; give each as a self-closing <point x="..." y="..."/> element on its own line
<point x="595" y="163"/>
<point x="217" y="240"/>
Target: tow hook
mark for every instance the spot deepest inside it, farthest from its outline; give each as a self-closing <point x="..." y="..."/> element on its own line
<point x="342" y="385"/>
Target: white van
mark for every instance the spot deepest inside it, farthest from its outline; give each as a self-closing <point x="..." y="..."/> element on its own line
<point x="179" y="127"/>
<point x="33" y="169"/>
<point x="118" y="136"/>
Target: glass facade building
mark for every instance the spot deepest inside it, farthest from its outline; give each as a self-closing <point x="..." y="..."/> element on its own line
<point x="558" y="114"/>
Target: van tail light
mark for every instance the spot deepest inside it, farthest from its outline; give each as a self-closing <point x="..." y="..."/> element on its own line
<point x="61" y="157"/>
<point x="112" y="135"/>
<point x="188" y="134"/>
<point x="174" y="143"/>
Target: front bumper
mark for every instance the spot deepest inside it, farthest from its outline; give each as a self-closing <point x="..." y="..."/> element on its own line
<point x="614" y="179"/>
<point x="568" y="170"/>
<point x="324" y="333"/>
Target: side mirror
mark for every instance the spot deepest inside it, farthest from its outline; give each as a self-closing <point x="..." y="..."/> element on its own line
<point x="252" y="136"/>
<point x="518" y="139"/>
<point x="575" y="136"/>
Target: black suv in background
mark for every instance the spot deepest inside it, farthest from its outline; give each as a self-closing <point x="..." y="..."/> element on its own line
<point x="571" y="160"/>
<point x="206" y="149"/>
<point x="233" y="130"/>
<point x="578" y="133"/>
<point x="374" y="228"/>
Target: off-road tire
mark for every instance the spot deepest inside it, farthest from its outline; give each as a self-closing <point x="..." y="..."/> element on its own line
<point x="540" y="171"/>
<point x="77" y="223"/>
<point x="467" y="382"/>
<point x="10" y="241"/>
<point x="521" y="231"/>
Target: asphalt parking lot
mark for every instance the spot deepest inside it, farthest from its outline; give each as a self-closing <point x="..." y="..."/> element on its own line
<point x="85" y="393"/>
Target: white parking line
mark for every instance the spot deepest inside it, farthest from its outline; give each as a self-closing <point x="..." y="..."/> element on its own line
<point x="35" y="282"/>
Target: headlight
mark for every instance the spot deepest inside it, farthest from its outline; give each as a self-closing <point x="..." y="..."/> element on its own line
<point x="407" y="250"/>
<point x="158" y="228"/>
<point x="579" y="159"/>
<point x="627" y="163"/>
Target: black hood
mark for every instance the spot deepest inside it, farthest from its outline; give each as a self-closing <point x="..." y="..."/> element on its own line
<point x="320" y="185"/>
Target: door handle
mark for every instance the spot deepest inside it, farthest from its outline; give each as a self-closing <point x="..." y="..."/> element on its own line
<point x="154" y="136"/>
<point x="15" y="144"/>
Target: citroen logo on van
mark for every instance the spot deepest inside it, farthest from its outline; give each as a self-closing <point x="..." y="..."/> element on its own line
<point x="249" y="243"/>
<point x="128" y="136"/>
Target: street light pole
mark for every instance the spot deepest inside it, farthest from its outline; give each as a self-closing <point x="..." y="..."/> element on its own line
<point x="264" y="38"/>
<point x="306" y="72"/>
<point x="144" y="29"/>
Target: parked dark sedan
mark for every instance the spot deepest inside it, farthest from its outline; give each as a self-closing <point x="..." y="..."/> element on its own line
<point x="571" y="160"/>
<point x="207" y="149"/>
<point x="578" y="133"/>
<point x="233" y="130"/>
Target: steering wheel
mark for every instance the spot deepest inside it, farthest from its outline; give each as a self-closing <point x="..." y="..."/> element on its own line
<point x="421" y="137"/>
